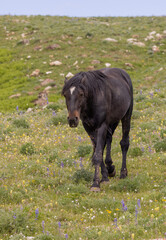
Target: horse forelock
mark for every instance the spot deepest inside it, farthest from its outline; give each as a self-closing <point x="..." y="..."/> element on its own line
<point x="91" y="81"/>
<point x="75" y="81"/>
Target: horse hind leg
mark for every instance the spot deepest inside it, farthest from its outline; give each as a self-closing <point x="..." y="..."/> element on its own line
<point x="125" y="142"/>
<point x="108" y="160"/>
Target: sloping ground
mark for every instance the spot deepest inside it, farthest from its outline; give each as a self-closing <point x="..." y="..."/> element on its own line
<point x="30" y="43"/>
<point x="45" y="167"/>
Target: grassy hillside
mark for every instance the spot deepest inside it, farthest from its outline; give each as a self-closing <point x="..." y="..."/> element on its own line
<point x="45" y="167"/>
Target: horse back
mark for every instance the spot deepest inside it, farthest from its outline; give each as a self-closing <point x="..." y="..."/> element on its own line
<point x="118" y="73"/>
<point x="119" y="92"/>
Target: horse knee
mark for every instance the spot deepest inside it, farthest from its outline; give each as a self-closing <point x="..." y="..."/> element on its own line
<point x="97" y="159"/>
<point x="124" y="144"/>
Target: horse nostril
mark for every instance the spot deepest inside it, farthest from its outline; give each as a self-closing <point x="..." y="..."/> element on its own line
<point x="73" y="122"/>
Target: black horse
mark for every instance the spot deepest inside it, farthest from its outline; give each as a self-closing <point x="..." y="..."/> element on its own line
<point x="101" y="99"/>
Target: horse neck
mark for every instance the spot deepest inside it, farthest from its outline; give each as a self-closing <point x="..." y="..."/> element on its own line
<point x="87" y="108"/>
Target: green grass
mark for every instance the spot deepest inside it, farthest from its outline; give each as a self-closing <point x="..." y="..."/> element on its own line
<point x="46" y="165"/>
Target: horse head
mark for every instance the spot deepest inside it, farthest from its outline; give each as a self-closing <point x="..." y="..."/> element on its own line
<point x="75" y="99"/>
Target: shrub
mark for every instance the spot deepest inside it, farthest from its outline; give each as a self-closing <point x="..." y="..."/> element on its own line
<point x="54" y="107"/>
<point x="14" y="221"/>
<point x="65" y="162"/>
<point x="139" y="98"/>
<point x="27" y="149"/>
<point x="60" y="118"/>
<point x="132" y="184"/>
<point x="148" y="125"/>
<point x="82" y="174"/>
<point x="44" y="237"/>
<point x="21" y="123"/>
<point x="84" y="150"/>
<point x="160" y="146"/>
<point x="136" y="114"/>
<point x="52" y="156"/>
<point x="135" y="152"/>
<point x="18" y="237"/>
<point x="163" y="133"/>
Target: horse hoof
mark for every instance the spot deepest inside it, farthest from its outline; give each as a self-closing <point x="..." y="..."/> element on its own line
<point x="123" y="173"/>
<point x="95" y="189"/>
<point x="112" y="171"/>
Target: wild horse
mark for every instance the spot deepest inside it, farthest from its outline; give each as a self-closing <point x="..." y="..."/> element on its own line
<point x="101" y="99"/>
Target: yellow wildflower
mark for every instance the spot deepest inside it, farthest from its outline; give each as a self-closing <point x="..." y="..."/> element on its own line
<point x="132" y="236"/>
<point x="109" y="211"/>
<point x="156" y="209"/>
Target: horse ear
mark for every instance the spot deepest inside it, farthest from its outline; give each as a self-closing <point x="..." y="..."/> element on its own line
<point x="65" y="80"/>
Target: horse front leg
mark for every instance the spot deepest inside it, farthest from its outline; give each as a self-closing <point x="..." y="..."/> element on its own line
<point x="98" y="157"/>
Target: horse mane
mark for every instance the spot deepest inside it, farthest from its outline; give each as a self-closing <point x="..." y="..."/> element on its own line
<point x="92" y="81"/>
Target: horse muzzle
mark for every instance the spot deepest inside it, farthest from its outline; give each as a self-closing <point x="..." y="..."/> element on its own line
<point x="73" y="118"/>
<point x="73" y="122"/>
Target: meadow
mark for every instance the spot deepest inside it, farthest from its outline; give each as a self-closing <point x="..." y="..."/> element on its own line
<point x="45" y="166"/>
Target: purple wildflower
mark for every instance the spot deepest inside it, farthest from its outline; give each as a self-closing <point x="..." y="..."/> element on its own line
<point x="139" y="203"/>
<point x="115" y="221"/>
<point x="59" y="224"/>
<point x="124" y="208"/>
<point x="62" y="165"/>
<point x="142" y="149"/>
<point x="47" y="100"/>
<point x="141" y="92"/>
<point x="54" y="113"/>
<point x="81" y="165"/>
<point x="14" y="216"/>
<point x="79" y="139"/>
<point x="47" y="171"/>
<point x="150" y="150"/>
<point x="75" y="164"/>
<point x="66" y="236"/>
<point x="123" y="205"/>
<point x="43" y="226"/>
<point x="37" y="213"/>
<point x="17" y="108"/>
<point x="151" y="94"/>
<point x="136" y="214"/>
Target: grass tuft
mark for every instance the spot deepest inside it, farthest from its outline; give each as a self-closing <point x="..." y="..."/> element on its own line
<point x="84" y="150"/>
<point x="21" y="123"/>
<point x="27" y="149"/>
<point x="135" y="152"/>
<point x="160" y="146"/>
